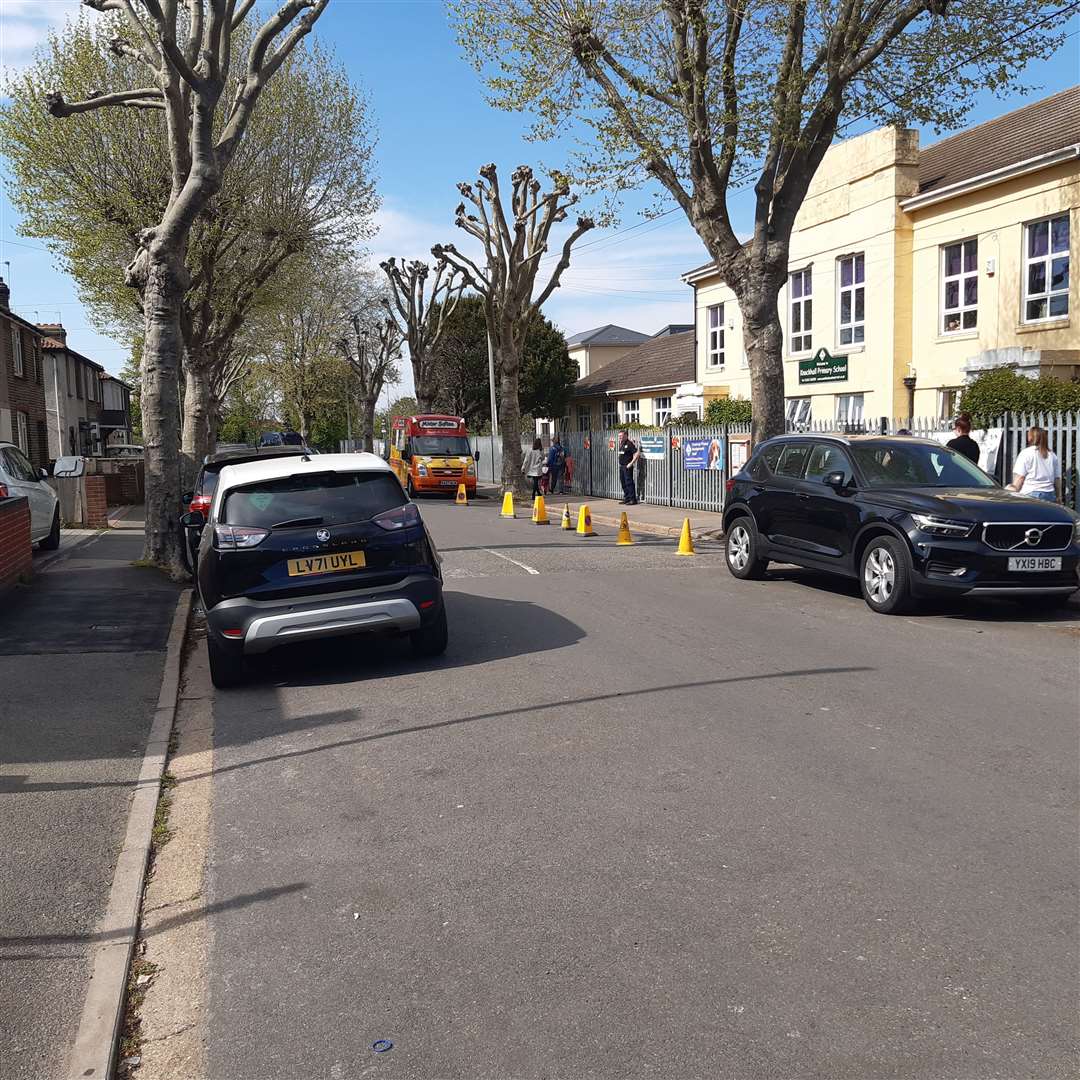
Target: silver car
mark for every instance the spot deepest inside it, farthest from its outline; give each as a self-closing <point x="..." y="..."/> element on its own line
<point x="18" y="478"/>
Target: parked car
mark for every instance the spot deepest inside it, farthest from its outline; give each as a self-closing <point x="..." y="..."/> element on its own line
<point x="906" y="517"/>
<point x="19" y="478"/>
<point x="271" y="438"/>
<point x="302" y="548"/>
<point x="200" y="496"/>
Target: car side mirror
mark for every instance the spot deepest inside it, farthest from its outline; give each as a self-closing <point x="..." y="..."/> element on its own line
<point x="187" y="497"/>
<point x="837" y="481"/>
<point x="476" y="455"/>
<point x="43" y="473"/>
<point x="193" y="519"/>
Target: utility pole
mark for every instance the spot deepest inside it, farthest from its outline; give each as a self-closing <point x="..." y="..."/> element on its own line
<point x="491" y="386"/>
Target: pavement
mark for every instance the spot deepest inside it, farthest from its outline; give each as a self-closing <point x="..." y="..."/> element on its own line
<point x="81" y="656"/>
<point x="647" y="820"/>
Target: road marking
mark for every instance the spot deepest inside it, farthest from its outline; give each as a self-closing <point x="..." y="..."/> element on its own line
<point x="524" y="566"/>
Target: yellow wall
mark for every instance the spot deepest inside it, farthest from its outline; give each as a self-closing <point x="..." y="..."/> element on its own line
<point x="590" y="358"/>
<point x="646" y="403"/>
<point x="854" y="205"/>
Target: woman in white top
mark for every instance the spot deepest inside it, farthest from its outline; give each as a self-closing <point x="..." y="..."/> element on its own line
<point x="1037" y="469"/>
<point x="533" y="465"/>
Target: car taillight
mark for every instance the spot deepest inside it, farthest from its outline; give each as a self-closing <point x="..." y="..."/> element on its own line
<point x="238" y="536"/>
<point x="201" y="503"/>
<point x="3" y="491"/>
<point x="401" y="517"/>
<point x="729" y="485"/>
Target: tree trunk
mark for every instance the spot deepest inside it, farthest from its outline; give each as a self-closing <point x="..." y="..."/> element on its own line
<point x="163" y="293"/>
<point x="425" y="392"/>
<point x="366" y="423"/>
<point x="197" y="440"/>
<point x="510" y="420"/>
<point x="764" y="337"/>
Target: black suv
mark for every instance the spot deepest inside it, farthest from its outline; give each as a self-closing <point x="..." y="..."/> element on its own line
<point x="296" y="548"/>
<point x="907" y="517"/>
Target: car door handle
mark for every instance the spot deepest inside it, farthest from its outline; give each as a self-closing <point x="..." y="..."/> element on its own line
<point x="759" y="487"/>
<point x="802" y="495"/>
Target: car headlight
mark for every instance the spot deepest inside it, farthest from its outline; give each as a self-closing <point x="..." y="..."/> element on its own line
<point x="939" y="526"/>
<point x="471" y="468"/>
<point x="421" y="470"/>
<point x="1076" y="531"/>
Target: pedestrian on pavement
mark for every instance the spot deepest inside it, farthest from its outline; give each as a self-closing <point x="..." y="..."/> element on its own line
<point x="964" y="443"/>
<point x="533" y="466"/>
<point x="556" y="463"/>
<point x="628" y="456"/>
<point x="1037" y="469"/>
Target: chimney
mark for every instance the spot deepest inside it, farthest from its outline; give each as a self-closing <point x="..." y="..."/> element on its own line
<point x="5" y="296"/>
<point x="53" y="330"/>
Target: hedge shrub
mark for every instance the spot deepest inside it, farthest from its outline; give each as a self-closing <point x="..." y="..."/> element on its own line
<point x="727" y="411"/>
<point x="1002" y="390"/>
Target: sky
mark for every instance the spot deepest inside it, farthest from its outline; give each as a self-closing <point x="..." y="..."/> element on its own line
<point x="435" y="129"/>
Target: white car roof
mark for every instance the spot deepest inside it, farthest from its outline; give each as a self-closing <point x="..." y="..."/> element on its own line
<point x="251" y="472"/>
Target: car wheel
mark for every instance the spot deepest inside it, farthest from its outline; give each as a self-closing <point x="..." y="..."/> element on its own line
<point x="431" y="640"/>
<point x="885" y="576"/>
<point x="52" y="541"/>
<point x="409" y="489"/>
<point x="226" y="665"/>
<point x="742" y="545"/>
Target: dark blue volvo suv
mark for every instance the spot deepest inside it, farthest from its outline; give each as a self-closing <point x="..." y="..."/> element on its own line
<point x="907" y="517"/>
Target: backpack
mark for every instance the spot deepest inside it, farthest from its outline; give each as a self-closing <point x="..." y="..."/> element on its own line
<point x="560" y="458"/>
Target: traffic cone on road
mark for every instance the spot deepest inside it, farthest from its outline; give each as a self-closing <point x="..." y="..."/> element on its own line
<point x="686" y="541"/>
<point x="566" y="522"/>
<point x="584" y="522"/>
<point x="624" y="532"/>
<point x="462" y="498"/>
<point x="539" y="515"/>
<point x="508" y="505"/>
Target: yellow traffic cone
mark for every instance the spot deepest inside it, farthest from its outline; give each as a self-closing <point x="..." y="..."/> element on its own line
<point x="539" y="515"/>
<point x="462" y="498"/>
<point x="624" y="532"/>
<point x="686" y="541"/>
<point x="566" y="522"/>
<point x="584" y="522"/>
<point x="508" y="505"/>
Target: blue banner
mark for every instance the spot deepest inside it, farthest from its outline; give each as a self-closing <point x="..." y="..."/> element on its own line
<point x="652" y="446"/>
<point x="703" y="454"/>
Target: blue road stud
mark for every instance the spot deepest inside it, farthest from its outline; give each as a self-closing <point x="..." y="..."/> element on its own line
<point x="380" y="1046"/>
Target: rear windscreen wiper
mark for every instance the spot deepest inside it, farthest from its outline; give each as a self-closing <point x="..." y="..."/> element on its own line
<point x="296" y="521"/>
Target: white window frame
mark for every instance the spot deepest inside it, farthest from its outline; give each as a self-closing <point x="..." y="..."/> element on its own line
<point x="630" y="410"/>
<point x="714" y="337"/>
<point x="949" y="402"/>
<point x="802" y="340"/>
<point x="797" y="410"/>
<point x="1049" y="294"/>
<point x="609" y="415"/>
<point x="850" y="408"/>
<point x="22" y="432"/>
<point x="584" y="418"/>
<point x="16" y="351"/>
<point x="661" y="410"/>
<point x="854" y="327"/>
<point x="961" y="278"/>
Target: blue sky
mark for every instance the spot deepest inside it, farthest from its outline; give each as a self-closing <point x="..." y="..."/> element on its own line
<point x="434" y="130"/>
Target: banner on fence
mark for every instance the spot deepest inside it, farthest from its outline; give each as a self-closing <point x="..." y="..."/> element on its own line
<point x="703" y="454"/>
<point x="652" y="446"/>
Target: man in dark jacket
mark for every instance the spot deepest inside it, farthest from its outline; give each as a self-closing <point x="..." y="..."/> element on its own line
<point x="556" y="463"/>
<point x="628" y="455"/>
<point x="964" y="443"/>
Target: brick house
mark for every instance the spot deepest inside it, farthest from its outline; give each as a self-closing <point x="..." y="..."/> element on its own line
<point x="22" y="384"/>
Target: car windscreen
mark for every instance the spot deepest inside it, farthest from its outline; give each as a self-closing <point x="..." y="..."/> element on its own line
<point x="314" y="499"/>
<point x="917" y="465"/>
<point x="441" y="445"/>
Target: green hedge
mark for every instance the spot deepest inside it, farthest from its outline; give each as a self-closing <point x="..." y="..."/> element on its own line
<point x="727" y="411"/>
<point x="994" y="393"/>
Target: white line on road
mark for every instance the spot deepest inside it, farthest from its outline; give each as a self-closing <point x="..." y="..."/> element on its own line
<point x="524" y="566"/>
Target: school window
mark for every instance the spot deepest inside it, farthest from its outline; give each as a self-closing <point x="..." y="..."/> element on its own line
<point x="959" y="286"/>
<point x="1046" y="266"/>
<point x="949" y="402"/>
<point x="852" y="299"/>
<point x="661" y="411"/>
<point x="715" y="337"/>
<point x="22" y="433"/>
<point x="631" y="411"/>
<point x="610" y="417"/>
<point x="16" y="350"/>
<point x="584" y="417"/>
<point x="802" y="311"/>
<point x="849" y="408"/>
<point x="798" y="411"/>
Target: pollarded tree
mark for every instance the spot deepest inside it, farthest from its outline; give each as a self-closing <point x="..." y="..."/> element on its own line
<point x="704" y="96"/>
<point x="371" y="354"/>
<point x="187" y="65"/>
<point x="421" y="313"/>
<point x="513" y="244"/>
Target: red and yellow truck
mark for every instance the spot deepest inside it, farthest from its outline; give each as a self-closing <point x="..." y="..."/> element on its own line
<point x="431" y="453"/>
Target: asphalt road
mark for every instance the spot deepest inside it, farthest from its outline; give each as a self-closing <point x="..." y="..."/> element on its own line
<point x="644" y="820"/>
<point x="81" y="655"/>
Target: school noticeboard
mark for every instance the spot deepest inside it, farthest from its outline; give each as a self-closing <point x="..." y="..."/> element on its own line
<point x="823" y="368"/>
<point x="703" y="454"/>
<point x="652" y="446"/>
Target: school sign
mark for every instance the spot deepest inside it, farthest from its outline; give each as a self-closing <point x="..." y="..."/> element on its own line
<point x="824" y="367"/>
